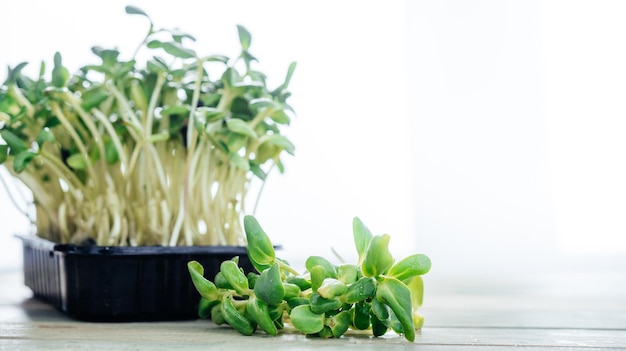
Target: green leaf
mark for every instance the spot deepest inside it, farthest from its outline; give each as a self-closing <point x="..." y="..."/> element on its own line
<point x="210" y="114"/>
<point x="22" y="160"/>
<point x="347" y="273"/>
<point x="378" y="259"/>
<point x="280" y="166"/>
<point x="260" y="249"/>
<point x="60" y="74"/>
<point x="4" y="152"/>
<point x="397" y="296"/>
<point x="297" y="301"/>
<point x="235" y="319"/>
<point x="282" y="142"/>
<point x="339" y="323"/>
<point x="418" y="320"/>
<point x="265" y="152"/>
<point x="325" y="333"/>
<point x="301" y="282"/>
<point x="16" y="144"/>
<point x="241" y="127"/>
<point x="410" y="266"/>
<point x="291" y="290"/>
<point x="77" y="161"/>
<point x="263" y="103"/>
<point x="292" y="68"/>
<point x="320" y="304"/>
<point x="312" y="261"/>
<point x="45" y="135"/>
<point x="221" y="282"/>
<point x="247" y="56"/>
<point x="154" y="44"/>
<point x="15" y="73"/>
<point x="260" y="313"/>
<point x="175" y="110"/>
<point x="138" y="95"/>
<point x="363" y="289"/>
<point x="305" y="320"/>
<point x="229" y="77"/>
<point x="380" y="310"/>
<point x="175" y="49"/>
<point x="269" y="286"/>
<point x="93" y="97"/>
<point x="257" y="171"/>
<point x="331" y="288"/>
<point x="217" y="58"/>
<point x="239" y="161"/>
<point x="360" y="315"/>
<point x="109" y="58"/>
<point x="178" y="36"/>
<point x="395" y="324"/>
<point x="244" y="37"/>
<point x="111" y="154"/>
<point x="157" y="65"/>
<point x="416" y="286"/>
<point x="204" y="307"/>
<point x="252" y="278"/>
<point x="235" y="277"/>
<point x="318" y="274"/>
<point x="280" y="117"/>
<point x="133" y="10"/>
<point x="249" y="85"/>
<point x="379" y="328"/>
<point x="362" y="238"/>
<point x="205" y="288"/>
<point x="52" y="122"/>
<point x="217" y="316"/>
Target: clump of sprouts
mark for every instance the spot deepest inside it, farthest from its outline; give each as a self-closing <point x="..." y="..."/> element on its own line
<point x="159" y="153"/>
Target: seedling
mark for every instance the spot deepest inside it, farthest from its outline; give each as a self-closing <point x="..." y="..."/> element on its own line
<point x="154" y="152"/>
<point x="377" y="293"/>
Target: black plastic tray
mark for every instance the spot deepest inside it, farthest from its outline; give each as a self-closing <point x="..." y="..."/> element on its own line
<point x="121" y="284"/>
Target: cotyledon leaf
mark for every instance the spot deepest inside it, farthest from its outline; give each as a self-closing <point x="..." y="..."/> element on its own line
<point x="378" y="259"/>
<point x="205" y="287"/>
<point x="235" y="319"/>
<point x="269" y="287"/>
<point x="397" y="296"/>
<point x="410" y="266"/>
<point x="330" y="268"/>
<point x="260" y="249"/>
<point x="305" y="320"/>
<point x="362" y="238"/>
<point x="235" y="277"/>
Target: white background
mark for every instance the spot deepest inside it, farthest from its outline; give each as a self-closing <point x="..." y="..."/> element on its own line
<point x="486" y="134"/>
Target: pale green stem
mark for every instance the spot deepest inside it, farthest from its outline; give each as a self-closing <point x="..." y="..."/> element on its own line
<point x="16" y="93"/>
<point x="127" y="113"/>
<point x="121" y="152"/>
<point x="179" y="221"/>
<point x="154" y="99"/>
<point x="261" y="116"/>
<point x="89" y="123"/>
<point x="79" y="143"/>
<point x="61" y="170"/>
<point x="160" y="173"/>
<point x="191" y="146"/>
<point x="258" y="195"/>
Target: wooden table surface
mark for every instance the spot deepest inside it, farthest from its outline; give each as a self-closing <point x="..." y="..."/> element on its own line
<point x="569" y="310"/>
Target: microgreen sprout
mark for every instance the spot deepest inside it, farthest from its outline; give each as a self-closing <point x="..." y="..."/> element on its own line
<point x="377" y="294"/>
<point x="152" y="153"/>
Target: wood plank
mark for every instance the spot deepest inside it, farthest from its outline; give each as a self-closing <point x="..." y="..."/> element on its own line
<point x="196" y="333"/>
<point x="492" y="315"/>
